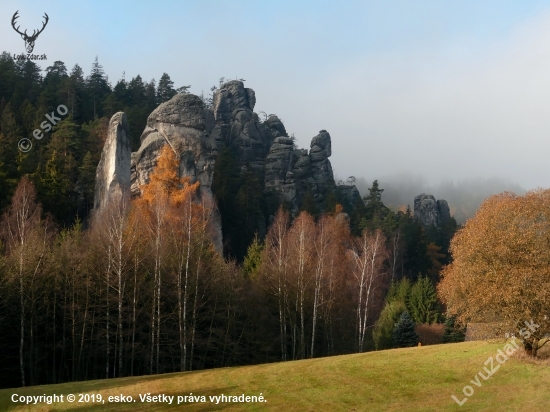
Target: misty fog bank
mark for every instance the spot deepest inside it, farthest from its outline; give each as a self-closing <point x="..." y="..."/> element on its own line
<point x="464" y="196"/>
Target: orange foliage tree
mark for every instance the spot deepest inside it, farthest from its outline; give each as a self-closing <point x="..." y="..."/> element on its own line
<point x="167" y="207"/>
<point x="501" y="267"/>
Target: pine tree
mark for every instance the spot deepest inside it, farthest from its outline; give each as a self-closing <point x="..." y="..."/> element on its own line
<point x="8" y="78"/>
<point x="76" y="93"/>
<point x="404" y="335"/>
<point x="453" y="332"/>
<point x="383" y="329"/>
<point x="399" y="291"/>
<point x="28" y="84"/>
<point x="98" y="86"/>
<point x="165" y="89"/>
<point x="10" y="134"/>
<point x="56" y="88"/>
<point x="415" y="259"/>
<point x="253" y="258"/>
<point x="86" y="183"/>
<point x="423" y="304"/>
<point x="120" y="92"/>
<point x="374" y="207"/>
<point x="150" y="96"/>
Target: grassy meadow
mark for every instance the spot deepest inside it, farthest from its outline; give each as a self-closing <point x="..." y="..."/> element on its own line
<point x="411" y="379"/>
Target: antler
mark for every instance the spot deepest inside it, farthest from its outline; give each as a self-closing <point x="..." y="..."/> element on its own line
<point x="15" y="17"/>
<point x="34" y="36"/>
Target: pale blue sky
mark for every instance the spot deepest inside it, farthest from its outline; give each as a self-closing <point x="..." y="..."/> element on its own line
<point x="445" y="89"/>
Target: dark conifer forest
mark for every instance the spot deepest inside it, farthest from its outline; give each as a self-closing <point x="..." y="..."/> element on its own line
<point x="139" y="288"/>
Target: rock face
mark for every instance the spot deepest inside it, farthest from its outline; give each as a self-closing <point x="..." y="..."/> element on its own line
<point x="197" y="134"/>
<point x="113" y="171"/>
<point x="239" y="127"/>
<point x="291" y="173"/>
<point x="431" y="212"/>
<point x="184" y="124"/>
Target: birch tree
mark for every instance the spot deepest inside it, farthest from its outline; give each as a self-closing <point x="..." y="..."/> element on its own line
<point x="301" y="258"/>
<point x="368" y="254"/>
<point x="323" y="240"/>
<point x="25" y="235"/>
<point x="275" y="268"/>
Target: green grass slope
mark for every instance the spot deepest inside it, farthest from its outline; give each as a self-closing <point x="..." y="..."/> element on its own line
<point x="412" y="379"/>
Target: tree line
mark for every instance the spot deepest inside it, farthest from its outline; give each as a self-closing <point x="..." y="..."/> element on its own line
<point x="141" y="290"/>
<point x="138" y="288"/>
<point x="62" y="164"/>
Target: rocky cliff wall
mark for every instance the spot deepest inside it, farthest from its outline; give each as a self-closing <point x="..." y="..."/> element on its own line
<point x="197" y="134"/>
<point x="113" y="172"/>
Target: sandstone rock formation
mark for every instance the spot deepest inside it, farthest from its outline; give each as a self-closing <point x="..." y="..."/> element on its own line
<point x="184" y="124"/>
<point x="291" y="173"/>
<point x="431" y="212"/>
<point x="197" y="134"/>
<point x="113" y="172"/>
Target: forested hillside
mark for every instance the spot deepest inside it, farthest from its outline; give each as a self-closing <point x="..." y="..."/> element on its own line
<point x="139" y="288"/>
<point x="62" y="164"/>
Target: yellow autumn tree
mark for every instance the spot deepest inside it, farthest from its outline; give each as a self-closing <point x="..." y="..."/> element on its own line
<point x="171" y="216"/>
<point x="501" y="267"/>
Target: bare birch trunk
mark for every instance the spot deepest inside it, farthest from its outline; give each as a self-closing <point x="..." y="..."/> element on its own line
<point x="134" y="317"/>
<point x="22" y="339"/>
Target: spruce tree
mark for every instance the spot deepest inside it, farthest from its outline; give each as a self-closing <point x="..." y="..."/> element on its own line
<point x="399" y="291"/>
<point x="76" y="93"/>
<point x="165" y="90"/>
<point x="453" y="332"/>
<point x="98" y="88"/>
<point x="404" y="335"/>
<point x="422" y="303"/>
<point x="10" y="135"/>
<point x="86" y="184"/>
<point x="253" y="258"/>
<point x="8" y="77"/>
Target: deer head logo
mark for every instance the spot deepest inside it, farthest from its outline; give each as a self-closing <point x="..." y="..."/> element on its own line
<point x="29" y="40"/>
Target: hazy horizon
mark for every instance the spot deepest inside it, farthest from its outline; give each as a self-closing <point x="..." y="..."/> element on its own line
<point x="463" y="195"/>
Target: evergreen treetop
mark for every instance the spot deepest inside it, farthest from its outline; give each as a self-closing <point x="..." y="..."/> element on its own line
<point x="404" y="335"/>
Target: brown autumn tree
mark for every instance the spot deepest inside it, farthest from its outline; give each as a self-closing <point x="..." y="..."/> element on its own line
<point x="330" y="239"/>
<point x="26" y="237"/>
<point x="274" y="270"/>
<point x="501" y="267"/>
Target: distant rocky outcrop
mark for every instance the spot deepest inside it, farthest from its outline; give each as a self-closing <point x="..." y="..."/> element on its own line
<point x="431" y="212"/>
<point x="113" y="172"/>
<point x="291" y="172"/>
<point x="197" y="134"/>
